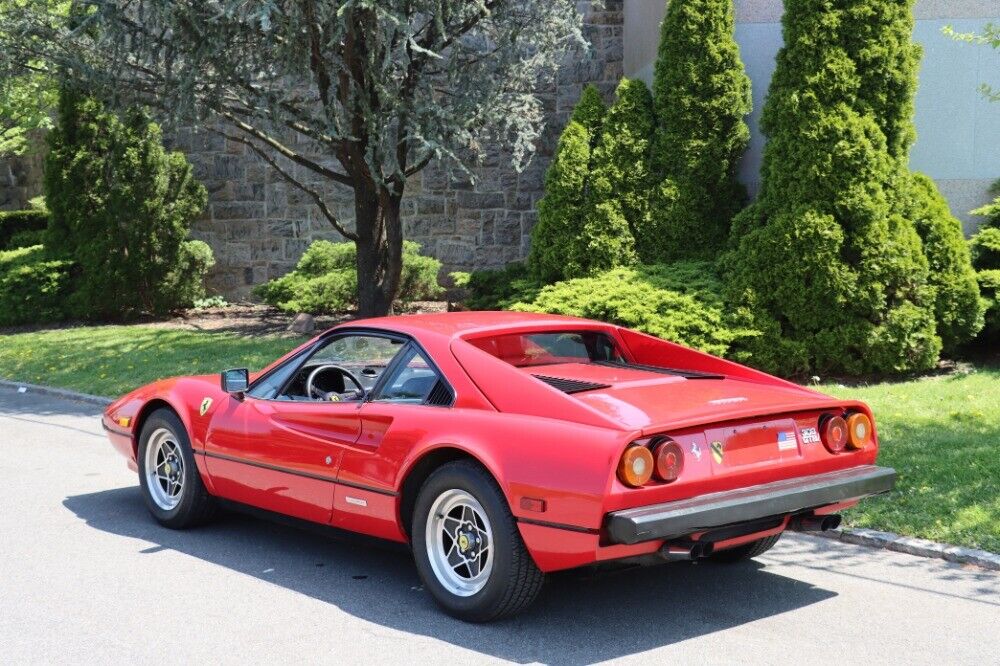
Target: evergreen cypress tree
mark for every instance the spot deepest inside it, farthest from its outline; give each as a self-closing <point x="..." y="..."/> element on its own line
<point x="121" y="206"/>
<point x="702" y="95"/>
<point x="826" y="259"/>
<point x="581" y="224"/>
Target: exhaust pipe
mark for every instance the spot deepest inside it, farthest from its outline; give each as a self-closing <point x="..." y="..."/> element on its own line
<point x="684" y="551"/>
<point x="813" y="523"/>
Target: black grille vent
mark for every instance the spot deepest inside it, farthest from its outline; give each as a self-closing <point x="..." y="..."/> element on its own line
<point x="570" y="385"/>
<point x="440" y="395"/>
<point x="688" y="374"/>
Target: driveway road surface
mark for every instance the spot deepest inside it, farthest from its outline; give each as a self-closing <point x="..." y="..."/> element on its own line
<point x="86" y="575"/>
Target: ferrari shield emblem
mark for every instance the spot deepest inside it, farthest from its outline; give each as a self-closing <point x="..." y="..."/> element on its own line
<point x="206" y="404"/>
<point x="717" y="451"/>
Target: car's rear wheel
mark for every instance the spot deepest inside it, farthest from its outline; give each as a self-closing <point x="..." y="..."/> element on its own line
<point x="746" y="551"/>
<point x="168" y="476"/>
<point x="467" y="547"/>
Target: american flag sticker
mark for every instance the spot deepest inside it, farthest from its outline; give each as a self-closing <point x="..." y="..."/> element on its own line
<point x="786" y="441"/>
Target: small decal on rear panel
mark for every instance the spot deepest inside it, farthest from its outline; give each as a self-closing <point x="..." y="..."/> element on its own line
<point x="717" y="452"/>
<point x="810" y="436"/>
<point x="786" y="441"/>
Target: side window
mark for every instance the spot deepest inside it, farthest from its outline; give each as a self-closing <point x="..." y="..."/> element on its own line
<point x="267" y="388"/>
<point x="415" y="382"/>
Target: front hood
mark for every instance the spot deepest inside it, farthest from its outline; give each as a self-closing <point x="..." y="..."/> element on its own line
<point x="652" y="402"/>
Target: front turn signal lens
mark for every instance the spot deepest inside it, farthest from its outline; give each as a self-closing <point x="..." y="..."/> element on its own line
<point x="669" y="461"/>
<point x="833" y="432"/>
<point x="859" y="430"/>
<point x="636" y="466"/>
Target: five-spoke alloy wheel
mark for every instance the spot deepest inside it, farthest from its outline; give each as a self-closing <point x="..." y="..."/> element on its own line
<point x="468" y="548"/>
<point x="168" y="476"/>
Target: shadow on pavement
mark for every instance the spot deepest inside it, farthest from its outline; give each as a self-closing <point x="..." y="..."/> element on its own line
<point x="578" y="618"/>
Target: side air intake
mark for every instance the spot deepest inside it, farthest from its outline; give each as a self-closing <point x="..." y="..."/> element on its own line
<point x="570" y="385"/>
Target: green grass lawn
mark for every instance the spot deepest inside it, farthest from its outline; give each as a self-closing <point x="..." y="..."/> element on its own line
<point x="942" y="434"/>
<point x="112" y="360"/>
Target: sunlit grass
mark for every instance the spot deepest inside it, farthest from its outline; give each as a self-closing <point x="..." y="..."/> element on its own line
<point x="112" y="360"/>
<point x="942" y="434"/>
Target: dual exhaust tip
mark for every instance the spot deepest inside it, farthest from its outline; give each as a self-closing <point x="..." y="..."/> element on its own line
<point x="680" y="551"/>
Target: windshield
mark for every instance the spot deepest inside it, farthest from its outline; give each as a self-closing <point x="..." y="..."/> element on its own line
<point x="531" y="349"/>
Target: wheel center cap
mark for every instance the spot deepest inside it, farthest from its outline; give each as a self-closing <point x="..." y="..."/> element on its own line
<point x="168" y="469"/>
<point x="463" y="542"/>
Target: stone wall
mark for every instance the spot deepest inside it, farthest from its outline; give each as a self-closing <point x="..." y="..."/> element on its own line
<point x="20" y="180"/>
<point x="259" y="225"/>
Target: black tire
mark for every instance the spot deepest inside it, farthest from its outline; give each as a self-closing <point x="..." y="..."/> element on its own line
<point x="746" y="551"/>
<point x="196" y="506"/>
<point x="514" y="581"/>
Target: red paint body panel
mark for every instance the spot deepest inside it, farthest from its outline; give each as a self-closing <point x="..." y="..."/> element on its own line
<point x="345" y="464"/>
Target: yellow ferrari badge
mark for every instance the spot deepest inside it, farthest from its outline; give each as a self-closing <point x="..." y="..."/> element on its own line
<point x="206" y="404"/>
<point x="717" y="451"/>
<point x="334" y="397"/>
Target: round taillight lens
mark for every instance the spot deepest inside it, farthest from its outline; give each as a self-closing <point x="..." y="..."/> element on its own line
<point x="859" y="430"/>
<point x="834" y="433"/>
<point x="636" y="466"/>
<point x="669" y="461"/>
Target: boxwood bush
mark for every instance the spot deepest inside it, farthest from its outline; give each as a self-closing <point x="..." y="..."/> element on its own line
<point x="15" y="223"/>
<point x="985" y="247"/>
<point x="33" y="286"/>
<point x="325" y="280"/>
<point x="681" y="302"/>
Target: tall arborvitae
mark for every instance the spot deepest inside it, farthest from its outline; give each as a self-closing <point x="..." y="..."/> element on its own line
<point x="566" y="184"/>
<point x="702" y="95"/>
<point x="621" y="158"/>
<point x="826" y="259"/>
<point x="581" y="225"/>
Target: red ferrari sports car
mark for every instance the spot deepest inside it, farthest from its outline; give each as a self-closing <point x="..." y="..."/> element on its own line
<point x="502" y="446"/>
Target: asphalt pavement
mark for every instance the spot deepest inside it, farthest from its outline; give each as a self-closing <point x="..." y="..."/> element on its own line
<point x="85" y="574"/>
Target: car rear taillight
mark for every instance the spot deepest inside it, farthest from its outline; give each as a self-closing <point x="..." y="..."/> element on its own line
<point x="669" y="460"/>
<point x="859" y="430"/>
<point x="636" y="466"/>
<point x="833" y="432"/>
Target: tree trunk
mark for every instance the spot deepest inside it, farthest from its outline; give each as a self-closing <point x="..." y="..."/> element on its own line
<point x="379" y="249"/>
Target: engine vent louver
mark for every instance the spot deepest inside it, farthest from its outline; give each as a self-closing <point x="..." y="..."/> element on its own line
<point x="687" y="374"/>
<point x="570" y="385"/>
<point x="440" y="395"/>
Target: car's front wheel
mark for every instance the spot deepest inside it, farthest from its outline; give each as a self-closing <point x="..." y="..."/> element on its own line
<point x="467" y="547"/>
<point x="168" y="476"/>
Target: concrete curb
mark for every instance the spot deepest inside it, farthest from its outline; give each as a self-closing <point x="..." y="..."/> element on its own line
<point x="860" y="536"/>
<point x="57" y="392"/>
<point x="914" y="546"/>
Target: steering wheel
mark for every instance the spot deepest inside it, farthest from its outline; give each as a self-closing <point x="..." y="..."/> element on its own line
<point x="313" y="392"/>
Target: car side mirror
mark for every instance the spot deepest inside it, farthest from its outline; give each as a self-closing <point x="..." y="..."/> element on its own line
<point x="235" y="381"/>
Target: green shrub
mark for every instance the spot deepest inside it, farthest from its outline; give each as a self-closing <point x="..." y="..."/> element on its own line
<point x="681" y="302"/>
<point x="957" y="310"/>
<point x="985" y="246"/>
<point x="33" y="287"/>
<point x="16" y="222"/>
<point x="579" y="228"/>
<point x="826" y="261"/>
<point x="702" y="95"/>
<point x="620" y="172"/>
<point x="26" y="238"/>
<point x="498" y="289"/>
<point x="121" y="207"/>
<point x="325" y="280"/>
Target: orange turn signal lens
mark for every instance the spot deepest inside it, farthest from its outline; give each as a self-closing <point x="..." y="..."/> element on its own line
<point x="636" y="466"/>
<point x="669" y="460"/>
<point x="859" y="430"/>
<point x="833" y="432"/>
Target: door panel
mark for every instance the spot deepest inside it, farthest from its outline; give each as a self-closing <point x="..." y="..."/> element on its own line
<point x="281" y="455"/>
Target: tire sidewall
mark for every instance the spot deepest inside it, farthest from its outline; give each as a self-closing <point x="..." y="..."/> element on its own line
<point x="168" y="420"/>
<point x="480" y="605"/>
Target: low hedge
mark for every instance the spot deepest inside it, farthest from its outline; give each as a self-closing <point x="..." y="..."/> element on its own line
<point x="325" y="281"/>
<point x="681" y="302"/>
<point x="33" y="286"/>
<point x="14" y="222"/>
